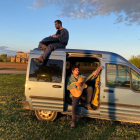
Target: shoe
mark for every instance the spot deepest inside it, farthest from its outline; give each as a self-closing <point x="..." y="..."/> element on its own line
<point x="38" y="61"/>
<point x="43" y="48"/>
<point x="72" y="125"/>
<point x="89" y="107"/>
<point x="94" y="107"/>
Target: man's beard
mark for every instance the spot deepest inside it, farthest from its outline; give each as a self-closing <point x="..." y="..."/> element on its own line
<point x="58" y="28"/>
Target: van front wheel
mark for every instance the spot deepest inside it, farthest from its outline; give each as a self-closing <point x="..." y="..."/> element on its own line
<point x="45" y="115"/>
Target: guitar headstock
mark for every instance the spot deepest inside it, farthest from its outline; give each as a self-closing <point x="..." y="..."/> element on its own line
<point x="95" y="73"/>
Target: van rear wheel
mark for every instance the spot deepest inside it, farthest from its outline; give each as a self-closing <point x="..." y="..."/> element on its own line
<point x="45" y="115"/>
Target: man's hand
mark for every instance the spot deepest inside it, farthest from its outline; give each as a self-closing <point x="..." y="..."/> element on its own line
<point x="78" y="84"/>
<point x="54" y="36"/>
<point x="95" y="73"/>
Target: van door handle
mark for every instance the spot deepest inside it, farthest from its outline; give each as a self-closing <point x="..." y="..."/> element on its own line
<point x="56" y="86"/>
<point x="109" y="90"/>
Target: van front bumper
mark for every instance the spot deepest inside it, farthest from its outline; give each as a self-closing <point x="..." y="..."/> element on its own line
<point x="25" y="105"/>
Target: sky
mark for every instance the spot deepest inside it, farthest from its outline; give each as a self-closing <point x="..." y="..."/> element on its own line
<point x="104" y="25"/>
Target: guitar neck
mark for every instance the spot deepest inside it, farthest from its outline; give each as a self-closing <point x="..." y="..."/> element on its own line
<point x="97" y="70"/>
<point x="88" y="78"/>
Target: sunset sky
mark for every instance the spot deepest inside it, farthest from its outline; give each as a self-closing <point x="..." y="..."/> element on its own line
<point x="106" y="25"/>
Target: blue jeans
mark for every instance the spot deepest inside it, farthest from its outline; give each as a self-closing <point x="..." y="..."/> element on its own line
<point x="75" y="101"/>
<point x="50" y="48"/>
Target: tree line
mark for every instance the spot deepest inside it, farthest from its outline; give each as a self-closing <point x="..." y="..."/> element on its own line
<point x="5" y="58"/>
<point x="135" y="60"/>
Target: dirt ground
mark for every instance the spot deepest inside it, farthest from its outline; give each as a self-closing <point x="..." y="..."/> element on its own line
<point x="6" y="66"/>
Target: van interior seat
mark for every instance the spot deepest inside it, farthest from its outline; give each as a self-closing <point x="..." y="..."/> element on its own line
<point x="135" y="84"/>
<point x="118" y="81"/>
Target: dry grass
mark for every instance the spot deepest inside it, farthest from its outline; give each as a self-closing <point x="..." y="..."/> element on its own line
<point x="13" y="66"/>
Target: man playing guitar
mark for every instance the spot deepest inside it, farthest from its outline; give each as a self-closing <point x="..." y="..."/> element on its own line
<point x="87" y="91"/>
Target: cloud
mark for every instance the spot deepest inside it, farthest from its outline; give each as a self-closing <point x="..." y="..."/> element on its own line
<point x="31" y="8"/>
<point x="127" y="11"/>
<point x="3" y="50"/>
<point x="40" y="3"/>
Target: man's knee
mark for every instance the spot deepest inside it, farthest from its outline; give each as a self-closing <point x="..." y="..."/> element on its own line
<point x="90" y="89"/>
<point x="40" y="45"/>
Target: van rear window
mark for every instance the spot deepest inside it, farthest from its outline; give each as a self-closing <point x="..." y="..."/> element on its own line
<point x="50" y="71"/>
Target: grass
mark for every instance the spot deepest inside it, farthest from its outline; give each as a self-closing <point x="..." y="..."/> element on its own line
<point x="17" y="123"/>
<point x="13" y="66"/>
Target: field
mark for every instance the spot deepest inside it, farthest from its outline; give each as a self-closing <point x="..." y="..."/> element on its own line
<point x="17" y="123"/>
<point x="13" y="66"/>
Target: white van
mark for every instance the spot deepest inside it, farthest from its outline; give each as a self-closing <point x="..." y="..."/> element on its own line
<point x="117" y="88"/>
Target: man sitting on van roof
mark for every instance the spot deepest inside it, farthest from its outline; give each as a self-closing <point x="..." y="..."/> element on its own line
<point x="62" y="35"/>
<point x="88" y="91"/>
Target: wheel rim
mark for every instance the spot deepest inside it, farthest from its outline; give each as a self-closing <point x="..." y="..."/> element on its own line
<point x="46" y="114"/>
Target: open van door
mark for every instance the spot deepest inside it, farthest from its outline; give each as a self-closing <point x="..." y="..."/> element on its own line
<point x="45" y="83"/>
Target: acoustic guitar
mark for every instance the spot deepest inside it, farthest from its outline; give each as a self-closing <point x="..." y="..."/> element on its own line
<point x="76" y="92"/>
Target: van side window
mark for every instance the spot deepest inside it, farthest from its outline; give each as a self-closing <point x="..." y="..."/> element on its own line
<point x="135" y="80"/>
<point x="51" y="71"/>
<point x="118" y="76"/>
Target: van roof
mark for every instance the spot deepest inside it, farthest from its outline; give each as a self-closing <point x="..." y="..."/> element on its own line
<point x="109" y="57"/>
<point x="74" y="51"/>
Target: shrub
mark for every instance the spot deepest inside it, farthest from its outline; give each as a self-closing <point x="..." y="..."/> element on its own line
<point x="1" y="60"/>
<point x="8" y="58"/>
<point x="135" y="60"/>
<point x="3" y="57"/>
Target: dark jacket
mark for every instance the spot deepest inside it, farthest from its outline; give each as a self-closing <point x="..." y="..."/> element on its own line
<point x="63" y="37"/>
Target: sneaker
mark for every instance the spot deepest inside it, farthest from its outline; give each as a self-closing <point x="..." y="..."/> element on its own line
<point x="72" y="125"/>
<point x="89" y="107"/>
<point x="38" y="61"/>
<point x="94" y="107"/>
<point x="43" y="48"/>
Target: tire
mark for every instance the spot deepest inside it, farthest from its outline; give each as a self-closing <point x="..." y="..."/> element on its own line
<point x="44" y="115"/>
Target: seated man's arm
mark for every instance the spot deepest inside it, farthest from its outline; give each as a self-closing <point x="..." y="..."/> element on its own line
<point x="68" y="84"/>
